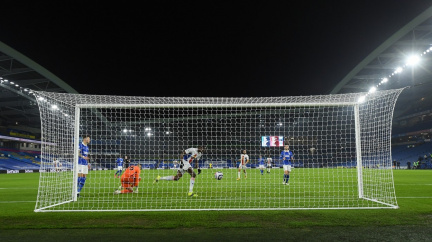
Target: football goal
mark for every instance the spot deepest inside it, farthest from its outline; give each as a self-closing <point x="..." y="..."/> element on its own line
<point x="340" y="144"/>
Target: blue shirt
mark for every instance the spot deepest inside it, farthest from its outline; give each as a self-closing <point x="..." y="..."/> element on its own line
<point x="84" y="151"/>
<point x="261" y="161"/>
<point x="287" y="155"/>
<point x="119" y="162"/>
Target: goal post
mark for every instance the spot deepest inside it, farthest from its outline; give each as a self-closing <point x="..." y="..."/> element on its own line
<point x="341" y="148"/>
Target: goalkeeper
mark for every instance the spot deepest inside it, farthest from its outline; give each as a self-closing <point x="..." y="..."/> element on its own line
<point x="130" y="179"/>
<point x="189" y="155"/>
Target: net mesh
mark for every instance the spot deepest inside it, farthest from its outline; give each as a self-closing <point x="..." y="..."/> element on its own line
<point x="329" y="136"/>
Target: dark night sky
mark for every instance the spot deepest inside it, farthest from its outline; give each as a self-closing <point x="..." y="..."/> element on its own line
<point x="208" y="48"/>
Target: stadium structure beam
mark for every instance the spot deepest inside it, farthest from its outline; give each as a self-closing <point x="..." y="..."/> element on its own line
<point x="38" y="68"/>
<point x="384" y="46"/>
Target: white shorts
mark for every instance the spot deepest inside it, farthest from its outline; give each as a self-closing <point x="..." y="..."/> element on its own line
<point x="269" y="165"/>
<point x="261" y="166"/>
<point x="242" y="166"/>
<point x="287" y="167"/>
<point x="120" y="168"/>
<point x="82" y="169"/>
<point x="186" y="166"/>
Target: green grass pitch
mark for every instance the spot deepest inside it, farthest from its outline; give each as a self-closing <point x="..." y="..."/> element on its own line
<point x="309" y="188"/>
<point x="411" y="222"/>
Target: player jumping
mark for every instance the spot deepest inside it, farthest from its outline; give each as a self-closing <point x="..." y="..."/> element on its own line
<point x="189" y="155"/>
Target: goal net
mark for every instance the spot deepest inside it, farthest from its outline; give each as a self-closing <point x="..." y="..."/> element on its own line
<point x="341" y="152"/>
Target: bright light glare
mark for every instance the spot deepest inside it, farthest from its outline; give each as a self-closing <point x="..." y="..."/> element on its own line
<point x="362" y="99"/>
<point x="372" y="90"/>
<point x="54" y="107"/>
<point x="384" y="80"/>
<point x="413" y="60"/>
<point x="398" y="70"/>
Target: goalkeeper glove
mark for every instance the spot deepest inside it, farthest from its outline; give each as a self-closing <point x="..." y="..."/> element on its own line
<point x="199" y="171"/>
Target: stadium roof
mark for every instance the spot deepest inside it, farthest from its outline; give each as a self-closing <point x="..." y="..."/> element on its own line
<point x="18" y="76"/>
<point x="414" y="39"/>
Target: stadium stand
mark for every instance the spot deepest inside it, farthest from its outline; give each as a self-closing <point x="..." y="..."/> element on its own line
<point x="413" y="153"/>
<point x="11" y="159"/>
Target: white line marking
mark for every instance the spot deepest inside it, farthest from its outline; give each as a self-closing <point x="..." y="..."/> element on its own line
<point x="414" y="184"/>
<point x="17" y="201"/>
<point x="15" y="188"/>
<point x="414" y="197"/>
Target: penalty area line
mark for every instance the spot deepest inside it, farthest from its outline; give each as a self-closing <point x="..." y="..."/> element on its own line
<point x="414" y="197"/>
<point x="16" y="188"/>
<point x="17" y="201"/>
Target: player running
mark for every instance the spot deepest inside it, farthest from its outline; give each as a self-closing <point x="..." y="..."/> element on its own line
<point x="119" y="171"/>
<point x="130" y="179"/>
<point x="261" y="164"/>
<point x="189" y="155"/>
<point x="286" y="156"/>
<point x="244" y="159"/>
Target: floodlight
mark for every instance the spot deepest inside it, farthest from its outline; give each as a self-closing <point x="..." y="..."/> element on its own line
<point x="413" y="60"/>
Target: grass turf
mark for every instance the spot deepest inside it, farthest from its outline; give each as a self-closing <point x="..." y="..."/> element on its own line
<point x="411" y="222"/>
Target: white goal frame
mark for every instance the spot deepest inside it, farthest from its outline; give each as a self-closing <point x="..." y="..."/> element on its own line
<point x="77" y="103"/>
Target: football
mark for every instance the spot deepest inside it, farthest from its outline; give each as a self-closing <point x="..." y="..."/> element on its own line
<point x="218" y="175"/>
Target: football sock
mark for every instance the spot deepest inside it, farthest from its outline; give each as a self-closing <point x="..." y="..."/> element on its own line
<point x="167" y="178"/>
<point x="191" y="184"/>
<point x="83" y="181"/>
<point x="80" y="183"/>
